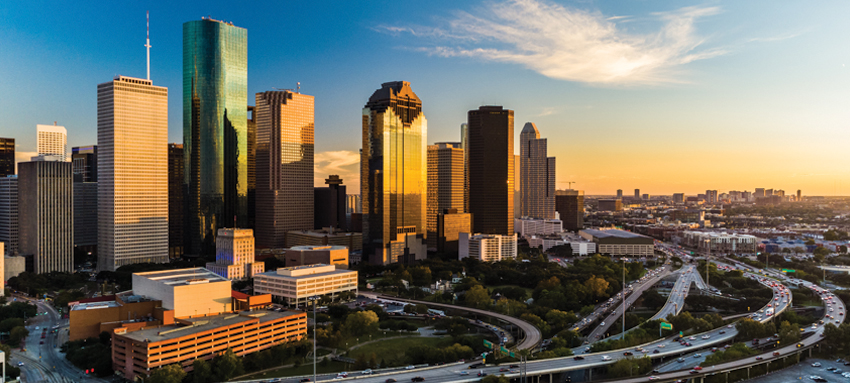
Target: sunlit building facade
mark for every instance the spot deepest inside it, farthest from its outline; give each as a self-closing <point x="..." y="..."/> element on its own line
<point x="537" y="172"/>
<point x="394" y="182"/>
<point x="52" y="140"/>
<point x="491" y="169"/>
<point x="215" y="133"/>
<point x="46" y="215"/>
<point x="445" y="184"/>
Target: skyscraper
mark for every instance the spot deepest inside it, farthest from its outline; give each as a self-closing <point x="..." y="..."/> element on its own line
<point x="537" y="185"/>
<point x="52" y="140"/>
<point x="7" y="157"/>
<point x="85" y="215"/>
<point x="329" y="204"/>
<point x="132" y="187"/>
<point x="464" y="137"/>
<point x="176" y="204"/>
<point x="711" y="196"/>
<point x="619" y="193"/>
<point x="445" y="183"/>
<point x="215" y="133"/>
<point x="393" y="175"/>
<point x="799" y="195"/>
<point x="252" y="168"/>
<point x="637" y="193"/>
<point x="84" y="159"/>
<point x="517" y="186"/>
<point x="46" y="215"/>
<point x="570" y="207"/>
<point x="678" y="197"/>
<point x="285" y="124"/>
<point x="491" y="170"/>
<point x="9" y="213"/>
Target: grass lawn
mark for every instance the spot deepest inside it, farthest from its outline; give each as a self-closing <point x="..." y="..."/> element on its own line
<point x="391" y="349"/>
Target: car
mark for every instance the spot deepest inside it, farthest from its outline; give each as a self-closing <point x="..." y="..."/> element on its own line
<point x="656" y="351"/>
<point x="418" y="379"/>
<point x="680" y="360"/>
<point x="305" y="380"/>
<point x="410" y="367"/>
<point x="606" y="358"/>
<point x="367" y="371"/>
<point x="692" y="338"/>
<point x="578" y="357"/>
<point x="504" y="369"/>
<point x="694" y="372"/>
<point x="759" y="358"/>
<point x="816" y="364"/>
<point x="482" y="373"/>
<point x="654" y="377"/>
<point x="801" y="345"/>
<point x="627" y="353"/>
<point x="20" y="363"/>
<point x="698" y="368"/>
<point x="464" y="373"/>
<point x="476" y="365"/>
<point x="42" y="342"/>
<point x="722" y="331"/>
<point x="602" y="324"/>
<point x="776" y="353"/>
<point x="342" y="375"/>
<point x="697" y="355"/>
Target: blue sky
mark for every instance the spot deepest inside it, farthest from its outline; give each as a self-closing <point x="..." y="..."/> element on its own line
<point x="664" y="96"/>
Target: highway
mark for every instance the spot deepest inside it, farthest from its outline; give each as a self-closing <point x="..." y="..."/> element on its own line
<point x="637" y="290"/>
<point x="676" y="300"/>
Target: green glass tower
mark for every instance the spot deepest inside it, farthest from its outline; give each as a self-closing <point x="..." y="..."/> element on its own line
<point x="215" y="131"/>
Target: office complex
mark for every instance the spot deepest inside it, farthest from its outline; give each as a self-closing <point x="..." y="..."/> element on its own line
<point x="85" y="216"/>
<point x="215" y="133"/>
<point x="336" y="256"/>
<point x="7" y="157"/>
<point x="52" y="140"/>
<point x="619" y="242"/>
<point x="327" y="236"/>
<point x="84" y="159"/>
<point x="329" y="209"/>
<point x="46" y="215"/>
<point x="284" y="165"/>
<point x="450" y="223"/>
<point x="393" y="175"/>
<point x="352" y="204"/>
<point x="491" y="170"/>
<point x="570" y="207"/>
<point x="132" y="187"/>
<point x="293" y="285"/>
<point x="526" y="227"/>
<point x="9" y="213"/>
<point x="176" y="204"/>
<point x="252" y="167"/>
<point x="487" y="247"/>
<point x="517" y="186"/>
<point x="799" y="195"/>
<point x="578" y="245"/>
<point x="720" y="243"/>
<point x="234" y="255"/>
<point x="445" y="184"/>
<point x="537" y="182"/>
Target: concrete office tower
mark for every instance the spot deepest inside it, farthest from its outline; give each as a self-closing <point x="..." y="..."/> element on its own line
<point x="9" y="213"/>
<point x="215" y="132"/>
<point x="619" y="193"/>
<point x="570" y="206"/>
<point x="711" y="196"/>
<point x="7" y="157"/>
<point x="445" y="184"/>
<point x="329" y="205"/>
<point x="84" y="159"/>
<point x="537" y="185"/>
<point x="132" y="160"/>
<point x="52" y="141"/>
<point x="46" y="215"/>
<point x="285" y="123"/>
<point x="234" y="255"/>
<point x="393" y="175"/>
<point x="637" y="193"/>
<point x="176" y="204"/>
<point x="85" y="216"/>
<point x="464" y="139"/>
<point x="491" y="170"/>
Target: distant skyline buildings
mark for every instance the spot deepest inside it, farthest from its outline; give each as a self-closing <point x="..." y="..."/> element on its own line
<point x="537" y="175"/>
<point x="52" y="140"/>
<point x="215" y="132"/>
<point x="491" y="169"/>
<point x="7" y="156"/>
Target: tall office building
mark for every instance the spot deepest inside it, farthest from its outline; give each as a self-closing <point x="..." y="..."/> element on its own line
<point x="491" y="170"/>
<point x="445" y="184"/>
<point x="176" y="204"/>
<point x="85" y="216"/>
<point x="252" y="167"/>
<point x="799" y="195"/>
<point x="537" y="185"/>
<point x="132" y="186"/>
<point x="52" y="140"/>
<point x="285" y="124"/>
<point x="46" y="215"/>
<point x="393" y="175"/>
<point x="9" y="213"/>
<point x="517" y="186"/>
<point x="215" y="132"/>
<point x="464" y="137"/>
<point x="234" y="255"/>
<point x="352" y="204"/>
<point x="84" y="159"/>
<point x="7" y="157"/>
<point x="637" y="193"/>
<point x="570" y="206"/>
<point x="619" y="193"/>
<point x="329" y="205"/>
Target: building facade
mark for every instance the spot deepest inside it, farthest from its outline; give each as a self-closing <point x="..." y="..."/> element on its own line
<point x="487" y="247"/>
<point x="394" y="183"/>
<point x="445" y="184"/>
<point x="293" y="285"/>
<point x="526" y="227"/>
<point x="619" y="242"/>
<point x="84" y="159"/>
<point x="234" y="255"/>
<point x="450" y="223"/>
<point x="329" y="209"/>
<point x="336" y="256"/>
<point x="9" y="213"/>
<point x="491" y="169"/>
<point x="610" y="205"/>
<point x="52" y="140"/>
<point x="85" y="215"/>
<point x="679" y="198"/>
<point x="285" y="123"/>
<point x="352" y="240"/>
<point x="7" y="157"/>
<point x="570" y="207"/>
<point x="46" y="215"/>
<point x="537" y="184"/>
<point x="176" y="201"/>
<point x="215" y="133"/>
<point x="132" y="187"/>
<point x="720" y="243"/>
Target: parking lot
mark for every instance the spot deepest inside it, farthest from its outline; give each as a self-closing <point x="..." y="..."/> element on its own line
<point x="802" y="372"/>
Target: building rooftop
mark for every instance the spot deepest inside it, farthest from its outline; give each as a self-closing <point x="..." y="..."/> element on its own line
<point x="305" y="271"/>
<point x="202" y="324"/>
<point x="94" y="305"/>
<point x="613" y="233"/>
<point x="191" y="276"/>
<point x="317" y="247"/>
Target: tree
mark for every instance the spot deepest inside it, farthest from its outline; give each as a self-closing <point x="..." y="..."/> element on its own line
<point x="560" y="320"/>
<point x="596" y="286"/>
<point x="202" y="371"/>
<point x="477" y="297"/>
<point x="228" y="365"/>
<point x="17" y="334"/>
<point x="8" y="324"/>
<point x="361" y="323"/>
<point x="788" y="333"/>
<point x="171" y="373"/>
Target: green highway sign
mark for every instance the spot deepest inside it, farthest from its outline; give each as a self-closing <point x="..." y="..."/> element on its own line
<point x="666" y="326"/>
<point x="789" y="271"/>
<point x="506" y="351"/>
<point x="488" y="344"/>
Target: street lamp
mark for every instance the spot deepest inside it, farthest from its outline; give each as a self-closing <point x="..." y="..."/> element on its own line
<point x="315" y="300"/>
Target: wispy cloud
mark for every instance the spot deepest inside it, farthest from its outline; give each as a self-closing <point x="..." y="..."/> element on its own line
<point x="570" y="44"/>
<point x="343" y="163"/>
<point x="774" y="38"/>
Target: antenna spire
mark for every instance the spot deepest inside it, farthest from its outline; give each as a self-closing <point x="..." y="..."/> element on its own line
<point x="148" y="43"/>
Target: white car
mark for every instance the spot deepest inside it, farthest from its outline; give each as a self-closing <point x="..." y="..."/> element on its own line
<point x="410" y="367"/>
<point x="706" y="336"/>
<point x="606" y="358"/>
<point x="367" y="371"/>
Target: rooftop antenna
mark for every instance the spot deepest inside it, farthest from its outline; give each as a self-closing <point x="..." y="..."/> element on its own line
<point x="299" y="87"/>
<point x="148" y="43"/>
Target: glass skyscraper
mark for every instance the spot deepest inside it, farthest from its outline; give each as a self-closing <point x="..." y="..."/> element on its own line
<point x="215" y="132"/>
<point x="394" y="181"/>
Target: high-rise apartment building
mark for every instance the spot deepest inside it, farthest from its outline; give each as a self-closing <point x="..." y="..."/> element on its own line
<point x="329" y="204"/>
<point x="215" y="132"/>
<point x="759" y="193"/>
<point x="176" y="204"/>
<point x="46" y="215"/>
<point x="393" y="175"/>
<point x="9" y="213"/>
<point x="637" y="193"/>
<point x="711" y="196"/>
<point x="285" y="123"/>
<point x="537" y="185"/>
<point x="52" y="140"/>
<point x="234" y="255"/>
<point x="445" y="184"/>
<point x="487" y="248"/>
<point x="7" y="157"/>
<point x="84" y="159"/>
<point x="491" y="170"/>
<point x="570" y="207"/>
<point x="132" y="187"/>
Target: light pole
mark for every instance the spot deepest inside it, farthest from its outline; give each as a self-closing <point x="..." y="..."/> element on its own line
<point x="707" y="262"/>
<point x="315" y="300"/>
<point x="623" y="334"/>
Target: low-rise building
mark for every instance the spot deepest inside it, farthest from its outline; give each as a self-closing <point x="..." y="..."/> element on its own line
<point x="487" y="247"/>
<point x="579" y="245"/>
<point x="311" y="255"/>
<point x="234" y="255"/>
<point x="327" y="236"/>
<point x="610" y="205"/>
<point x="619" y="242"/>
<point x="293" y="285"/>
<point x="527" y="227"/>
<point x="719" y="243"/>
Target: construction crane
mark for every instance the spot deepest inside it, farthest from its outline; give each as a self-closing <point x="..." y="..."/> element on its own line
<point x="570" y="183"/>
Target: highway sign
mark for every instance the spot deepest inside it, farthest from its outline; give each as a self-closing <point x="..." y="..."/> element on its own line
<point x="488" y="344"/>
<point x="666" y="326"/>
<point x="509" y="352"/>
<point x="789" y="271"/>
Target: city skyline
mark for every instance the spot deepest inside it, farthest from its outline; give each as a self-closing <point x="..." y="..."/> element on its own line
<point x="735" y="88"/>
